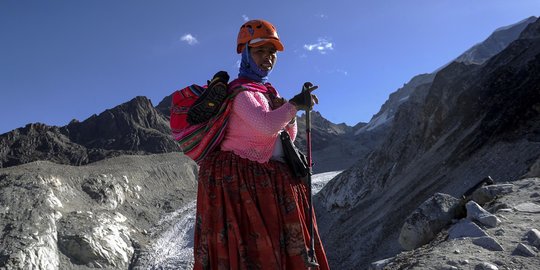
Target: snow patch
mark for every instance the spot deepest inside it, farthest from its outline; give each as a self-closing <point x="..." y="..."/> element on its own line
<point x="318" y="181"/>
<point x="375" y="122"/>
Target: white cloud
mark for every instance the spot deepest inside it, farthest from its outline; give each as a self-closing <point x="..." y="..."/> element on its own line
<point x="322" y="16"/>
<point x="246" y="18"/>
<point x="322" y="46"/>
<point x="344" y="72"/>
<point x="190" y="39"/>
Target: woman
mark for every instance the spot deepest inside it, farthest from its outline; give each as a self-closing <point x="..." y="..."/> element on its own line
<point x="251" y="211"/>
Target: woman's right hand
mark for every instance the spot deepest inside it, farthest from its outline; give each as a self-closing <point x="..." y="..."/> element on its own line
<point x="305" y="100"/>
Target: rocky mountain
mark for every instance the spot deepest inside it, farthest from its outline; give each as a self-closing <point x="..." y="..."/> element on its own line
<point x="477" y="54"/>
<point x="334" y="147"/>
<point x="134" y="127"/>
<point x="100" y="215"/>
<point x="470" y="121"/>
<point x="495" y="43"/>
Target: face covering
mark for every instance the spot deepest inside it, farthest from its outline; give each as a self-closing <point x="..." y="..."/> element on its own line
<point x="249" y="69"/>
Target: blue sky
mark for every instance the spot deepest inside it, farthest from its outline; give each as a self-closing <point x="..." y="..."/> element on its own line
<point x="68" y="59"/>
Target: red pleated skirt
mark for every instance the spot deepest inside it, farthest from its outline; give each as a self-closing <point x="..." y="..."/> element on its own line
<point x="252" y="216"/>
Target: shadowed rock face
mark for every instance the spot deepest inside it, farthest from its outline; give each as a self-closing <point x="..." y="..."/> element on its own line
<point x="132" y="126"/>
<point x="472" y="121"/>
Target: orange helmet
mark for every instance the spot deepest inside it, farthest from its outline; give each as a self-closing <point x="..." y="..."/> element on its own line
<point x="257" y="33"/>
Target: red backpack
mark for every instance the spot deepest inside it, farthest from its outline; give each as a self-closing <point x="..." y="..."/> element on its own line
<point x="181" y="102"/>
<point x="198" y="140"/>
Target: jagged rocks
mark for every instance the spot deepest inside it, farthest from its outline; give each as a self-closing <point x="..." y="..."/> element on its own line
<point x="426" y="221"/>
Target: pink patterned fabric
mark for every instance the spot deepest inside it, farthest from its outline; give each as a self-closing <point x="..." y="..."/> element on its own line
<point x="253" y="126"/>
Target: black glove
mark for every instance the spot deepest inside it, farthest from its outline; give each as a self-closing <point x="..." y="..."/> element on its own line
<point x="305" y="100"/>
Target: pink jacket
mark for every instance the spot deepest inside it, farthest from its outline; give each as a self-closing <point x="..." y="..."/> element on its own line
<point x="253" y="126"/>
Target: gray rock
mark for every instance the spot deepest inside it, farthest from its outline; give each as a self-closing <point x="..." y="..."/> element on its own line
<point x="428" y="220"/>
<point x="106" y="190"/>
<point x="524" y="250"/>
<point x="465" y="228"/>
<point x="96" y="240"/>
<point x="528" y="207"/>
<point x="488" y="243"/>
<point x="533" y="236"/>
<point x="485" y="266"/>
<point x="489" y="193"/>
<point x="476" y="212"/>
<point x="379" y="265"/>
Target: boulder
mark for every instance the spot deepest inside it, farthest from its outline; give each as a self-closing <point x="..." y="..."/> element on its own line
<point x="465" y="228"/>
<point x="488" y="243"/>
<point x="533" y="237"/>
<point x="427" y="220"/>
<point x="485" y="266"/>
<point x="476" y="213"/>
<point x="524" y="250"/>
<point x="528" y="207"/>
<point x="487" y="194"/>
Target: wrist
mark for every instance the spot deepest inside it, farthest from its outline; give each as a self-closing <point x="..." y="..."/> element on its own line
<point x="296" y="106"/>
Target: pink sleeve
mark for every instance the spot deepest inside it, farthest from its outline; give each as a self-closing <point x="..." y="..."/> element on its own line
<point x="259" y="116"/>
<point x="293" y="130"/>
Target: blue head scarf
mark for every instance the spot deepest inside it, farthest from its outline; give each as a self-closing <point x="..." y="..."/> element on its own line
<point x="249" y="69"/>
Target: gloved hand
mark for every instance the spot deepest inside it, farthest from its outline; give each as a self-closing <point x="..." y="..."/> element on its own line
<point x="305" y="100"/>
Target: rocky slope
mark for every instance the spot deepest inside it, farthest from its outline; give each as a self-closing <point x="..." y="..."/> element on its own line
<point x="473" y="120"/>
<point x="94" y="216"/>
<point x="498" y="229"/>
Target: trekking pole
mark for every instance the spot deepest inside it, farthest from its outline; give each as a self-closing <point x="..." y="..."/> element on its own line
<point x="311" y="252"/>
